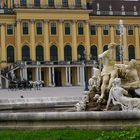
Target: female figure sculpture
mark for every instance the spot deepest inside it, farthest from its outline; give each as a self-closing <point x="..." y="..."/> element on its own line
<point x="118" y="95"/>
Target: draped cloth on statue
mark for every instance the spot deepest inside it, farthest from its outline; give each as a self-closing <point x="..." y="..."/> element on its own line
<point x="117" y="96"/>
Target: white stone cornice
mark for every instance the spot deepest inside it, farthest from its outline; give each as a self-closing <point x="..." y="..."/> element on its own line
<point x="61" y="21"/>
<point x="32" y="21"/>
<point x="46" y="21"/>
<point x="74" y="21"/>
<point x="18" y="20"/>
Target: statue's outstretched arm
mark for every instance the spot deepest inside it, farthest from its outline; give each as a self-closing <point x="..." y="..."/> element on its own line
<point x="124" y="92"/>
<point x="136" y="81"/>
<point x="134" y="84"/>
<point x="104" y="54"/>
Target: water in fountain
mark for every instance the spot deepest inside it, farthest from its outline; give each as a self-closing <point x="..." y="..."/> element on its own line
<point x="121" y="27"/>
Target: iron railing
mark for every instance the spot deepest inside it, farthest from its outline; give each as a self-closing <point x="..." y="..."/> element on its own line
<point x="50" y="6"/>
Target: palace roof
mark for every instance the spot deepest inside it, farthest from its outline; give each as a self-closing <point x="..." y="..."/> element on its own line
<point x="115" y="7"/>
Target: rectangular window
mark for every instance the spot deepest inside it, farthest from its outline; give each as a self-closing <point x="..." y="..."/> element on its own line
<point x="92" y="30"/>
<point x="67" y="29"/>
<point x="51" y="3"/>
<point x="130" y="30"/>
<point x="39" y="28"/>
<point x="105" y="29"/>
<point x="25" y="28"/>
<point x="9" y="29"/>
<point x="65" y="3"/>
<point x="53" y="28"/>
<point x="80" y="29"/>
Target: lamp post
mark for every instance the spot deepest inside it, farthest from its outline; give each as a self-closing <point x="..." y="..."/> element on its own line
<point x="83" y="57"/>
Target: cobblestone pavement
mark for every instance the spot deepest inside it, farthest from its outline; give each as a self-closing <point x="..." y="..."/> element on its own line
<point x="44" y="92"/>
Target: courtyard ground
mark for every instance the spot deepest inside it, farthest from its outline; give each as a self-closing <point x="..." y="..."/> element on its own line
<point x="44" y="92"/>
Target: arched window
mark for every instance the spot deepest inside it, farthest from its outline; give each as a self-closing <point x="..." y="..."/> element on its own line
<point x="23" y="3"/>
<point x="53" y="28"/>
<point x="131" y="52"/>
<point x="13" y="3"/>
<point x="77" y="3"/>
<point x="105" y="48"/>
<point x="25" y="53"/>
<point x="25" y="29"/>
<point x="67" y="53"/>
<point x="37" y="3"/>
<point x="118" y="53"/>
<point x="51" y="3"/>
<point x="65" y="3"/>
<point x="80" y="29"/>
<point x="67" y="28"/>
<point x="81" y="52"/>
<point x="53" y="53"/>
<point x="39" y="53"/>
<point x="94" y="53"/>
<point x="39" y="28"/>
<point x="10" y="54"/>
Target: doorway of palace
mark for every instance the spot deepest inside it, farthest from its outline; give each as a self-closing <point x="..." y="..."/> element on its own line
<point x="42" y="76"/>
<point x="29" y="75"/>
<point x="3" y="81"/>
<point x="58" y="79"/>
<point x="73" y="76"/>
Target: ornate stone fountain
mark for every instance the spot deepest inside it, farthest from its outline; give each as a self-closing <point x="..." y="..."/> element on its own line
<point x="116" y="82"/>
<point x="113" y="87"/>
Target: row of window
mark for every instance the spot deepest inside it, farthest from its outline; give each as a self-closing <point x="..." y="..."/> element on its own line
<point x="67" y="29"/>
<point x="67" y="53"/>
<point x="25" y="28"/>
<point x="118" y="28"/>
<point x="51" y="3"/>
<point x="39" y="28"/>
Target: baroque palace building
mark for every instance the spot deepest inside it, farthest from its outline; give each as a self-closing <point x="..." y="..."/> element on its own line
<point x="54" y="40"/>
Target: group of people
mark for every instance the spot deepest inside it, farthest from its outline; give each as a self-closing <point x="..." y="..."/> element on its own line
<point x="25" y="84"/>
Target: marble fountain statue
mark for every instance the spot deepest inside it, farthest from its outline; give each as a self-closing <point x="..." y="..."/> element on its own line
<point x="115" y="82"/>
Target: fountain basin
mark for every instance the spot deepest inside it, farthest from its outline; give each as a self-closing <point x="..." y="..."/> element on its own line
<point x="35" y="103"/>
<point x="93" y="120"/>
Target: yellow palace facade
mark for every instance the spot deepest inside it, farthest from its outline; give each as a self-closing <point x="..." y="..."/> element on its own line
<point x="54" y="40"/>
